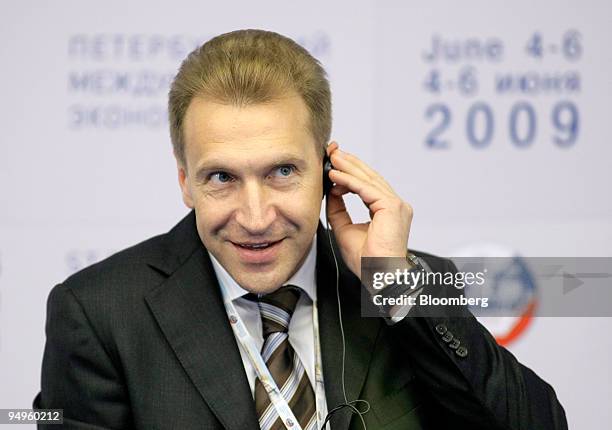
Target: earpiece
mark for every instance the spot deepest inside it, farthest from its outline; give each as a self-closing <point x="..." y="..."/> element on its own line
<point x="327" y="183"/>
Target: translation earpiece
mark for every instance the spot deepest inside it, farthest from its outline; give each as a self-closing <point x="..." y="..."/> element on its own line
<point x="327" y="183"/>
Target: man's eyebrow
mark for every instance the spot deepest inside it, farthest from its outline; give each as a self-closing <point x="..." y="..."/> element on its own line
<point x="221" y="164"/>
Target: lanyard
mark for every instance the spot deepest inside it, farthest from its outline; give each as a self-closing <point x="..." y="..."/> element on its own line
<point x="263" y="373"/>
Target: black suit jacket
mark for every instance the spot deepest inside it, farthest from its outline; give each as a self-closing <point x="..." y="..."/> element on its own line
<point x="141" y="340"/>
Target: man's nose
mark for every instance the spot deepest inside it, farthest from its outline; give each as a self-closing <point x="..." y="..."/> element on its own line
<point x="256" y="212"/>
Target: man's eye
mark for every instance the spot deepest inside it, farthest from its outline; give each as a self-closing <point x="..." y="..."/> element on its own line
<point x="286" y="170"/>
<point x="222" y="177"/>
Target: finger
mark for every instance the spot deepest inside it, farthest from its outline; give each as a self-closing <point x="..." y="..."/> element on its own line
<point x="367" y="191"/>
<point x="351" y="164"/>
<point x="357" y="163"/>
<point x="340" y="162"/>
<point x="339" y="190"/>
<point x="337" y="214"/>
<point x="331" y="147"/>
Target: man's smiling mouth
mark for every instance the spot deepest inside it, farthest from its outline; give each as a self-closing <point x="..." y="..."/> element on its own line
<point x="258" y="252"/>
<point x="257" y="245"/>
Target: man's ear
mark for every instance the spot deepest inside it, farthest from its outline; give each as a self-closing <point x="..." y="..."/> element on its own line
<point x="185" y="190"/>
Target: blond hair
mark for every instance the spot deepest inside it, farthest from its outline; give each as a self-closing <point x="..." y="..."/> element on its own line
<point x="246" y="67"/>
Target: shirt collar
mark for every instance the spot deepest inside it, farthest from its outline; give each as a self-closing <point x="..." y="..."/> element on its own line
<point x="304" y="277"/>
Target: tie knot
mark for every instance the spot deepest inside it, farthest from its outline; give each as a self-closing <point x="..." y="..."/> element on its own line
<point x="277" y="308"/>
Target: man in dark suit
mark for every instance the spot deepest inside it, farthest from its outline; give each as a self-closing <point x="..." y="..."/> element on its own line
<point x="158" y="336"/>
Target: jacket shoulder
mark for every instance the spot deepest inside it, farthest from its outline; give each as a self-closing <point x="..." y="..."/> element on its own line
<point x="126" y="268"/>
<point x="140" y="267"/>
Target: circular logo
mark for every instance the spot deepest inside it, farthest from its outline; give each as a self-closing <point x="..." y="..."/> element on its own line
<point x="511" y="289"/>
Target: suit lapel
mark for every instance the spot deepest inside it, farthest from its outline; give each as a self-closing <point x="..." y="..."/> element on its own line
<point x="360" y="333"/>
<point x="190" y="312"/>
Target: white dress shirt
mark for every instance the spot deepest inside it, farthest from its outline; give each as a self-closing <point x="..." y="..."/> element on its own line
<point x="301" y="336"/>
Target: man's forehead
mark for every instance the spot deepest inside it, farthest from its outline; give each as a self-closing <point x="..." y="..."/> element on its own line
<point x="261" y="148"/>
<point x="252" y="136"/>
<point x="212" y="121"/>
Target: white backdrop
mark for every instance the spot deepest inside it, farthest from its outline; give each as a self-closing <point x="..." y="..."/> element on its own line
<point x="489" y="118"/>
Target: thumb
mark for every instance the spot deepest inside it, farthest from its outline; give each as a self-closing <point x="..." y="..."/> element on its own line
<point x="337" y="214"/>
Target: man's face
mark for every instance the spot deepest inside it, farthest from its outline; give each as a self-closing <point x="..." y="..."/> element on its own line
<point x="254" y="177"/>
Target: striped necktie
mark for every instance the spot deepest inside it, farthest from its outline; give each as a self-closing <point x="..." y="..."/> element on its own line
<point x="285" y="366"/>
